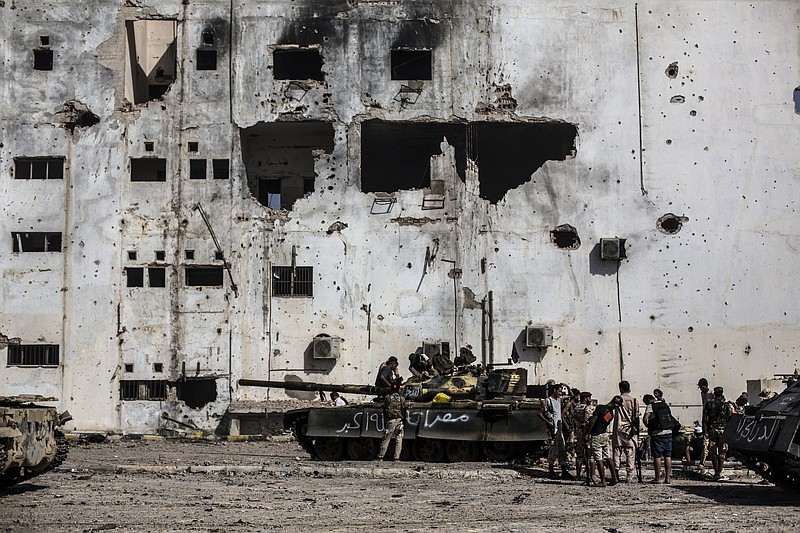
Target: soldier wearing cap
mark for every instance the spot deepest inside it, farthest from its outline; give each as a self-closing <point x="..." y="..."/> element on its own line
<point x="705" y="396"/>
<point x="716" y="414"/>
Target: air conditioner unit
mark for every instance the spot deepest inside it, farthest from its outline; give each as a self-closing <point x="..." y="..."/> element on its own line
<point x="612" y="249"/>
<point x="538" y="336"/>
<point x="326" y="347"/>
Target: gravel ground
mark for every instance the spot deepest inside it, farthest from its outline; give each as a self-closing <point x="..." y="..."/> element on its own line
<point x="171" y="485"/>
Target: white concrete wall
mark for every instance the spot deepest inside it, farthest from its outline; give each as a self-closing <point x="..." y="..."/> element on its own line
<point x="718" y="299"/>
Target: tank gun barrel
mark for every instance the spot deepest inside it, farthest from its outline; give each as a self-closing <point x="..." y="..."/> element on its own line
<point x="312" y="387"/>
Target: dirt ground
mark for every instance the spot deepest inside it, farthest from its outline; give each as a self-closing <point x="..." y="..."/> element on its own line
<point x="147" y="486"/>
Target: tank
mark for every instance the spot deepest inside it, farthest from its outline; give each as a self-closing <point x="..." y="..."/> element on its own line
<point x="766" y="438"/>
<point x="30" y="441"/>
<point x="470" y="415"/>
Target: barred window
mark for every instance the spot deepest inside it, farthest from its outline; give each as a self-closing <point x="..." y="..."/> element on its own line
<point x="38" y="168"/>
<point x="33" y="355"/>
<point x="292" y="281"/>
<point x="142" y="390"/>
<point x="35" y="241"/>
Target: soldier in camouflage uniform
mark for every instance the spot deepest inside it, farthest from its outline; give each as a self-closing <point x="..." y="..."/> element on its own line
<point x="716" y="413"/>
<point x="394" y="407"/>
<point x="582" y="414"/>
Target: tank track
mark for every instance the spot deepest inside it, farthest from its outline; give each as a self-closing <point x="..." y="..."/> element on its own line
<point x="785" y="475"/>
<point x="20" y="475"/>
<point x="299" y="424"/>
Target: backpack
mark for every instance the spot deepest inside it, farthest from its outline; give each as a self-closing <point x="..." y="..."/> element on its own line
<point x="662" y="418"/>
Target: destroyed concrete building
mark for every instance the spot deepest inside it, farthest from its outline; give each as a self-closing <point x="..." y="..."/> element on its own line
<point x="195" y="192"/>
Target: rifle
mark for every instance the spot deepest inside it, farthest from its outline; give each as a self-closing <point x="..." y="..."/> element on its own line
<point x="586" y="451"/>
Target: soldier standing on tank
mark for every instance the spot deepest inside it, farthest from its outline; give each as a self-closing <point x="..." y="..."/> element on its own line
<point x="387" y="374"/>
<point x="716" y="414"/>
<point x="551" y="414"/>
<point x="394" y="408"/>
<point x="705" y="396"/>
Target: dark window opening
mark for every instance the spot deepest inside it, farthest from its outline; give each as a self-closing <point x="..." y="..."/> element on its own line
<point x="160" y="255"/>
<point x="797" y="110"/>
<point x="128" y="367"/>
<point x="193" y="146"/>
<point x="292" y="281"/>
<point x="38" y="168"/>
<point x="189" y="255"/>
<point x="204" y="276"/>
<point x="43" y="59"/>
<point x="412" y="65"/>
<point x="132" y="255"/>
<point x="135" y="276"/>
<point x="220" y="169"/>
<point x="149" y="146"/>
<point x="670" y="224"/>
<point x="397" y="155"/>
<point x="148" y="169"/>
<point x="197" y="169"/>
<point x="33" y="355"/>
<point x="150" y="58"/>
<point x="219" y="256"/>
<point x="208" y="37"/>
<point x="157" y="276"/>
<point x="206" y="59"/>
<point x="297" y="64"/>
<point x="158" y="367"/>
<point x="279" y="159"/>
<point x="36" y="241"/>
<point x="44" y="40"/>
<point x="196" y="393"/>
<point x="142" y="390"/>
<point x="565" y="237"/>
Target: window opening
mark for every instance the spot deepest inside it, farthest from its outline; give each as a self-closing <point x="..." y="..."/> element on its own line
<point x="157" y="276"/>
<point x="196" y="393"/>
<point x="33" y="354"/>
<point x="128" y="367"/>
<point x="36" y="242"/>
<point x="797" y="109"/>
<point x="160" y="255"/>
<point x="142" y="390"/>
<point x="158" y="367"/>
<point x="38" y="168"/>
<point x="411" y="65"/>
<point x="220" y="169"/>
<point x="135" y="276"/>
<point x="197" y="169"/>
<point x="149" y="146"/>
<point x="292" y="281"/>
<point x="148" y="169"/>
<point x="279" y="159"/>
<point x="189" y="254"/>
<point x="193" y="146"/>
<point x="42" y="59"/>
<point x="44" y="40"/>
<point x="208" y="37"/>
<point x="206" y="59"/>
<point x="204" y="276"/>
<point x="297" y="64"/>
<point x="219" y="256"/>
<point x="150" y="58"/>
<point x="132" y="255"/>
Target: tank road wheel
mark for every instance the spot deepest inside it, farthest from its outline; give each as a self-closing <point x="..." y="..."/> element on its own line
<point x="428" y="450"/>
<point x="461" y="451"/>
<point x="499" y="451"/>
<point x="328" y="448"/>
<point x="362" y="449"/>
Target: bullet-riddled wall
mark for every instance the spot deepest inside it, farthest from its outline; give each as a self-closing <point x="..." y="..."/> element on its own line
<point x="193" y="192"/>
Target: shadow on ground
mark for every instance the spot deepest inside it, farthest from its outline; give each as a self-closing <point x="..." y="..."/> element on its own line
<point x="733" y="493"/>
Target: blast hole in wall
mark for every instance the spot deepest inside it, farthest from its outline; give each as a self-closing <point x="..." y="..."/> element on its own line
<point x="670" y="223"/>
<point x="196" y="393"/>
<point x="565" y="237"/>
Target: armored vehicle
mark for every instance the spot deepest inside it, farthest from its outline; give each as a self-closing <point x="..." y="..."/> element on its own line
<point x="766" y="438"/>
<point x="467" y="416"/>
<point x="30" y="441"/>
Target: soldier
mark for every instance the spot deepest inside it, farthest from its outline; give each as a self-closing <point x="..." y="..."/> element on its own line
<point x="582" y="414"/>
<point x="600" y="439"/>
<point x="394" y="407"/>
<point x="705" y="396"/>
<point x="336" y="400"/>
<point x="659" y="422"/>
<point x="552" y="413"/>
<point x="387" y="374"/>
<point x="716" y="413"/>
<point x="626" y="429"/>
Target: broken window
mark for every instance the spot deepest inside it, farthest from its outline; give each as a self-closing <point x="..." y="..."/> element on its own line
<point x="33" y="354"/>
<point x="42" y="59"/>
<point x="292" y="281"/>
<point x="279" y="159"/>
<point x="297" y="64"/>
<point x="38" y="168"/>
<point x="197" y="169"/>
<point x="150" y="58"/>
<point x="134" y="277"/>
<point x="157" y="276"/>
<point x="220" y="168"/>
<point x="204" y="276"/>
<point x="411" y="65"/>
<point x="142" y="390"/>
<point x="36" y="241"/>
<point x="206" y="59"/>
<point x="397" y="155"/>
<point x="196" y="393"/>
<point x="148" y="169"/>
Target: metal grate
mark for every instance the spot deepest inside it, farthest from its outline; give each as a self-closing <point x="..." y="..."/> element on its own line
<point x="292" y="281"/>
<point x="38" y="168"/>
<point x="142" y="390"/>
<point x="33" y="355"/>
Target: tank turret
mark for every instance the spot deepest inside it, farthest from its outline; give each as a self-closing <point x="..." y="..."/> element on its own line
<point x="471" y="414"/>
